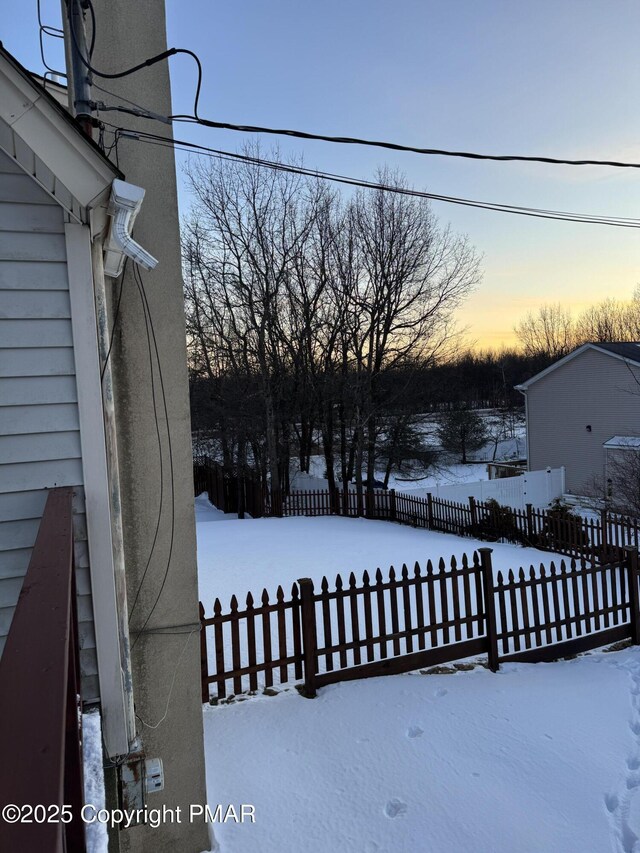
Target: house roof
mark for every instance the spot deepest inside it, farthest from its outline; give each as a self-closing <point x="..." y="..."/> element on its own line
<point x="624" y="351"/>
<point x="49" y="145"/>
<point x="628" y="351"/>
<point x="623" y="442"/>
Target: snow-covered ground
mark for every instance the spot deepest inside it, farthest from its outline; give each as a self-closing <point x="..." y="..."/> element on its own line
<point x="97" y="839"/>
<point x="445" y="474"/>
<point x="538" y="758"/>
<point x="506" y="441"/>
<point x="236" y="557"/>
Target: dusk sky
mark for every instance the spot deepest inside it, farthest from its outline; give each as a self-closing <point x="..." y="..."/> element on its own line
<point x="551" y="77"/>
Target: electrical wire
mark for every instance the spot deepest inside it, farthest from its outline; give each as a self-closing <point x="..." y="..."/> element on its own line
<point x="53" y="32"/>
<point x="92" y="45"/>
<point x="56" y="32"/>
<point x="322" y="137"/>
<point x="540" y="213"/>
<point x="173" y="681"/>
<point x="115" y="322"/>
<point x="141" y="112"/>
<point x="120" y="97"/>
<point x="395" y="146"/>
<point x="173" y="51"/>
<point x="143" y="295"/>
<point x="160" y="456"/>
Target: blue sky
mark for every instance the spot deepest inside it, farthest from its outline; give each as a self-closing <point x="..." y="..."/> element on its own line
<point x="551" y="77"/>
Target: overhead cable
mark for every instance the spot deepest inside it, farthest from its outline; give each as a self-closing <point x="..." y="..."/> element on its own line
<point x="541" y="213"/>
<point x="395" y="146"/>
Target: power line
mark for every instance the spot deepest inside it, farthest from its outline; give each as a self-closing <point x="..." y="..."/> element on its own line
<point x="540" y="213"/>
<point x="322" y="137"/>
<point x="395" y="146"/>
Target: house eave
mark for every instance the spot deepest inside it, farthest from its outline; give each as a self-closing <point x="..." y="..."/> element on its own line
<point x="47" y="144"/>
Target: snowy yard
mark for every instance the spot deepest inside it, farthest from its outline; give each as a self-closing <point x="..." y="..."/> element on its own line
<point x="236" y="557"/>
<point x="540" y="758"/>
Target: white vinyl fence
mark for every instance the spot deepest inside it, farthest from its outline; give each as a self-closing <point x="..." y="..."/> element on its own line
<point x="538" y="488"/>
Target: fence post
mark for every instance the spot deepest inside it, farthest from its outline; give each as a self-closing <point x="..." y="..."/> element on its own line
<point x="276" y="503"/>
<point x="370" y="502"/>
<point x="392" y="505"/>
<point x="604" y="539"/>
<point x="309" y="636"/>
<point x="242" y="492"/>
<point x="430" y="510"/>
<point x="529" y="509"/>
<point x="489" y="608"/>
<point x="204" y="661"/>
<point x="474" y="512"/>
<point x="631" y="560"/>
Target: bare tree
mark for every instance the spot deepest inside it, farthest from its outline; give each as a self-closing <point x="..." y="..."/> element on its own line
<point x="255" y="223"/>
<point x="609" y="320"/>
<point x="547" y="332"/>
<point x="414" y="275"/>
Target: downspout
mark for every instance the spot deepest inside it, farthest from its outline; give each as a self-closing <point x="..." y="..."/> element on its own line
<point x="125" y="202"/>
<point x="124" y="205"/>
<point x="523" y="391"/>
<point x="111" y="438"/>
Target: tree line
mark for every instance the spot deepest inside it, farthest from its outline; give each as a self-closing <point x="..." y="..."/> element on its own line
<point x="551" y="332"/>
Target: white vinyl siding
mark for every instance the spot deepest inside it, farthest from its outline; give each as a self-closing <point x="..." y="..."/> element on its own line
<point x="39" y="424"/>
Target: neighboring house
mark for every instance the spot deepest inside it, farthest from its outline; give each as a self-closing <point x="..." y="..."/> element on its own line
<point x="68" y="419"/>
<point x="578" y="405"/>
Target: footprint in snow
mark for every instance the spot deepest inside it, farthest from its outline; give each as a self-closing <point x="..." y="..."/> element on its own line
<point x="441" y="692"/>
<point x="414" y="731"/>
<point x="611" y="802"/>
<point x="395" y="808"/>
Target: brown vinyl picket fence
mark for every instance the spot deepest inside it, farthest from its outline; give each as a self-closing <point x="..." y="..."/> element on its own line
<point x="418" y="618"/>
